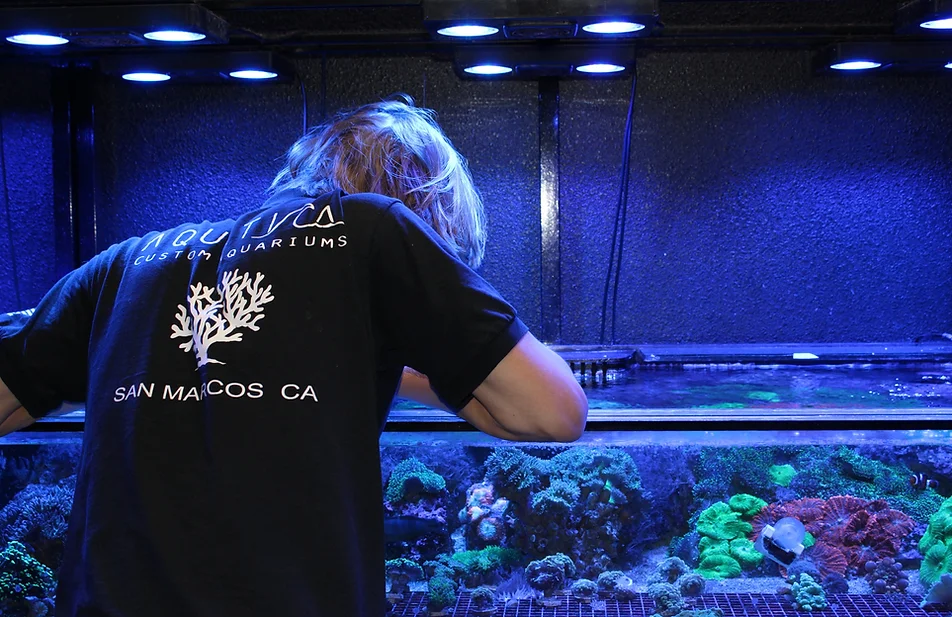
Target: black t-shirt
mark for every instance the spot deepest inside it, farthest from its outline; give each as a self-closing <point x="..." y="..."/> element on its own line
<point x="237" y="375"/>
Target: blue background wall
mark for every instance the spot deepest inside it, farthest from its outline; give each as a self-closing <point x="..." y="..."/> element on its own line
<point x="766" y="204"/>
<point x="26" y="221"/>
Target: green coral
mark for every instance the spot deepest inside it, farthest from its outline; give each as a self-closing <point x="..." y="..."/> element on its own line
<point x="746" y="505"/>
<point x="667" y="599"/>
<point x="21" y="576"/>
<point x="484" y="561"/>
<point x="782" y="474"/>
<point x="421" y="479"/>
<point x="718" y="566"/>
<point x="744" y="552"/>
<point x="936" y="545"/>
<point x="807" y="594"/>
<point x="556" y="500"/>
<point x="441" y="593"/>
<point x="719" y="521"/>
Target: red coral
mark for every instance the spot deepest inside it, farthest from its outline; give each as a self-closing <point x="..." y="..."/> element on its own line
<point x="807" y="510"/>
<point x="838" y="510"/>
<point x="854" y="531"/>
<point x="770" y="514"/>
<point x="827" y="559"/>
<point x="887" y="530"/>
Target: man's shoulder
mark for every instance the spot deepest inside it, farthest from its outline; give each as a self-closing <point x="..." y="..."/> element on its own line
<point x="367" y="202"/>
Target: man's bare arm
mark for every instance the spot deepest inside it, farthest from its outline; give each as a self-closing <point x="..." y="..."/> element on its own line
<point x="531" y="395"/>
<point x="12" y="415"/>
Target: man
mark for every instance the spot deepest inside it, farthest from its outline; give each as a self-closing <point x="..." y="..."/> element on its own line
<point x="237" y="375"/>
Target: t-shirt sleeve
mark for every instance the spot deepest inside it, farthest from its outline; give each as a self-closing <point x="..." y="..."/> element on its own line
<point x="439" y="316"/>
<point x="44" y="355"/>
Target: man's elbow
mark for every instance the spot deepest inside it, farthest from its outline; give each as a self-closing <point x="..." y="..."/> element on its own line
<point x="570" y="412"/>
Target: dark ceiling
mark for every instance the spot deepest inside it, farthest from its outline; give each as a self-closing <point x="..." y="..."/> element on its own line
<point x="398" y="26"/>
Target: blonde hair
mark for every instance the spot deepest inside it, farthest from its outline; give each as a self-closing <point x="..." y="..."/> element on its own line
<point x="398" y="150"/>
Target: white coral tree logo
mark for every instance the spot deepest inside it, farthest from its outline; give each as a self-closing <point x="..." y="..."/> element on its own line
<point x="218" y="315"/>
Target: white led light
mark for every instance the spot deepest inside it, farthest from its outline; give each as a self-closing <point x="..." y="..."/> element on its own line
<point x="146" y="77"/>
<point x="613" y="27"/>
<point x="37" y="39"/>
<point x="488" y="69"/>
<point x="856" y="65"/>
<point x="253" y="74"/>
<point x="600" y="68"/>
<point x="174" y="36"/>
<point x="468" y="30"/>
<point x="949" y="65"/>
<point x="937" y="24"/>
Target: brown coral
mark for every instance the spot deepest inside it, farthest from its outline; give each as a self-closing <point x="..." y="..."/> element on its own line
<point x="827" y="559"/>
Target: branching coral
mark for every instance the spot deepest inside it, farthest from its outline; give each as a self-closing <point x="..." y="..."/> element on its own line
<point x="441" y="593"/>
<point x="807" y="594"/>
<point x="22" y="577"/>
<point x="38" y="516"/>
<point x="576" y="503"/>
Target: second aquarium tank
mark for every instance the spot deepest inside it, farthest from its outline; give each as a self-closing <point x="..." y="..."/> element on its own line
<point x="697" y="490"/>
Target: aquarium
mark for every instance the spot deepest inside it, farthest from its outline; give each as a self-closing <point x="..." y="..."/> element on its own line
<point x="735" y="485"/>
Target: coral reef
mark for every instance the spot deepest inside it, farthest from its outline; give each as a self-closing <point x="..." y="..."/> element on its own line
<point x="479" y="567"/>
<point x="940" y="595"/>
<point x="886" y="576"/>
<point x="546" y="575"/>
<point x="725" y="549"/>
<point x="782" y="474"/>
<point x="849" y="531"/>
<point x="38" y="516"/>
<point x="582" y="502"/>
<point x="610" y="581"/>
<point x="808" y="595"/>
<point x="667" y="599"/>
<point x="401" y="572"/>
<point x="936" y="545"/>
<point x="484" y="516"/>
<point x="440" y="594"/>
<point x="481" y="600"/>
<point x="411" y="478"/>
<point x="24" y="581"/>
<point x="584" y="590"/>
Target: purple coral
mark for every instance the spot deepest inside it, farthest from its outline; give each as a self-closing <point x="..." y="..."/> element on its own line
<point x="886" y="576"/>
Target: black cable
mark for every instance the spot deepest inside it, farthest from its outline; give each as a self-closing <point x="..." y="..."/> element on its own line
<point x="6" y="203"/>
<point x="620" y="218"/>
<point x="626" y="177"/>
<point x="303" y="105"/>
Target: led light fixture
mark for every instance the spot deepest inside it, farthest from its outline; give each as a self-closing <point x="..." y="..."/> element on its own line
<point x="174" y="36"/>
<point x="117" y="26"/>
<point x="949" y="65"/>
<point x="888" y="57"/>
<point x="937" y="24"/>
<point x="467" y="31"/>
<point x="600" y="67"/>
<point x="252" y="74"/>
<point x="39" y="40"/>
<point x="613" y="27"/>
<point x="487" y="69"/>
<point x="146" y="77"/>
<point x="539" y="19"/>
<point x="567" y="60"/>
<point x="856" y="65"/>
<point x="202" y="66"/>
<point x="920" y="16"/>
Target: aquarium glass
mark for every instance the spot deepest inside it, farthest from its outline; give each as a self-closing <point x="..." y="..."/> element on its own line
<point x="642" y="521"/>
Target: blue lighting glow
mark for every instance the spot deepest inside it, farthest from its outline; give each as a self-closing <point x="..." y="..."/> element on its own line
<point x="937" y="24"/>
<point x="253" y="74"/>
<point x="600" y="68"/>
<point x="488" y="69"/>
<point x="949" y="65"/>
<point x="613" y="27"/>
<point x="174" y="36"/>
<point x="468" y="30"/>
<point x="37" y="39"/>
<point x="146" y="77"/>
<point x="856" y="65"/>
